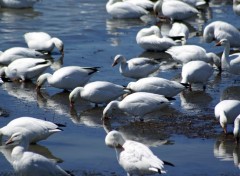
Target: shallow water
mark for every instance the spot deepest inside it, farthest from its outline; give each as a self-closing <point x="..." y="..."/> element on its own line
<point x="185" y="133"/>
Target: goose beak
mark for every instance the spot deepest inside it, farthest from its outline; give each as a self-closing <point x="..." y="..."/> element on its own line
<point x="114" y="63"/>
<point x="104" y="117"/>
<point x="218" y="44"/>
<point x="9" y="141"/>
<point x="38" y="88"/>
<point x="71" y="104"/>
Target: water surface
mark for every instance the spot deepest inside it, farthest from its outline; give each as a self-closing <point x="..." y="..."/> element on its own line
<point x="185" y="133"/>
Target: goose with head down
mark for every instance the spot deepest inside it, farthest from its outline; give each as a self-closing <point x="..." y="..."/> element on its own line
<point x="42" y="41"/>
<point x="68" y="77"/>
<point x="25" y="68"/>
<point x="186" y="53"/>
<point x="98" y="92"/>
<point x="151" y="39"/>
<point x="196" y="72"/>
<point x="14" y="53"/>
<point x="218" y="30"/>
<point x="226" y="112"/>
<point x="28" y="163"/>
<point x="174" y="10"/>
<point x="137" y="104"/>
<point x="135" y="157"/>
<point x="35" y="129"/>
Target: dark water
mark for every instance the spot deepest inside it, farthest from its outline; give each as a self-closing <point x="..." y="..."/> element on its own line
<point x="93" y="38"/>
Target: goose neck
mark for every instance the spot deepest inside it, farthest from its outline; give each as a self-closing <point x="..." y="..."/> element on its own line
<point x="225" y="55"/>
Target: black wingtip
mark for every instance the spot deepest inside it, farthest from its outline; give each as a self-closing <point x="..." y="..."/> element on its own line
<point x="60" y="125"/>
<point x="93" y="69"/>
<point x="168" y="163"/>
<point x="176" y="37"/>
<point x="186" y="85"/>
<point x="170" y="98"/>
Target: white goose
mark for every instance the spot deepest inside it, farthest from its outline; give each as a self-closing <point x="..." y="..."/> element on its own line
<point x="17" y="4"/>
<point x="137" y="104"/>
<point x="135" y="157"/>
<point x="14" y="53"/>
<point x="136" y="67"/>
<point x="196" y="72"/>
<point x="67" y="77"/>
<point x="35" y="129"/>
<point x="98" y="92"/>
<point x="156" y="85"/>
<point x="196" y="3"/>
<point x="236" y="129"/>
<point x="236" y="7"/>
<point x="151" y="39"/>
<point x="219" y="30"/>
<point x="179" y="30"/>
<point x="186" y="53"/>
<point x="124" y="9"/>
<point x="175" y="10"/>
<point x="226" y="112"/>
<point x="42" y="41"/>
<point x="146" y="4"/>
<point x="230" y="63"/>
<point x="25" y="68"/>
<point x="28" y="163"/>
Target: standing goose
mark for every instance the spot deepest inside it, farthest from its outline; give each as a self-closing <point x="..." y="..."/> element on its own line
<point x="137" y="104"/>
<point x="226" y="112"/>
<point x="17" y="4"/>
<point x="219" y="30"/>
<point x="156" y="85"/>
<point x="28" y="163"/>
<point x="151" y="39"/>
<point x="186" y="53"/>
<point x="124" y="9"/>
<point x="174" y="10"/>
<point x="98" y="92"/>
<point x="25" y="68"/>
<point x="135" y="157"/>
<point x="230" y="63"/>
<point x="68" y="77"/>
<point x="14" y="53"/>
<point x="196" y="72"/>
<point x="35" y="128"/>
<point x="136" y="67"/>
<point x="42" y="41"/>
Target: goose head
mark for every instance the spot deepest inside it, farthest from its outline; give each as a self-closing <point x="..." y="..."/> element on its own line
<point x="114" y="139"/>
<point x="75" y="93"/>
<point x="108" y="110"/>
<point x="208" y="34"/>
<point x="214" y="59"/>
<point x="223" y="42"/>
<point x="18" y="139"/>
<point x="118" y="59"/>
<point x="59" y="44"/>
<point x="42" y="79"/>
